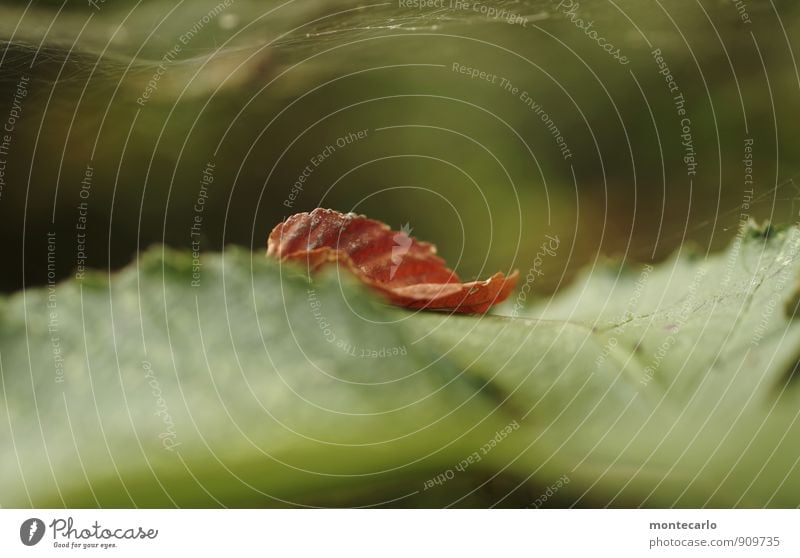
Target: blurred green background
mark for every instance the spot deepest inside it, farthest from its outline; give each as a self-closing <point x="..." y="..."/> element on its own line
<point x="260" y="88"/>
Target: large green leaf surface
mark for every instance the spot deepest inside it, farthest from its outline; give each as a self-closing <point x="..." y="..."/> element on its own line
<point x="663" y="386"/>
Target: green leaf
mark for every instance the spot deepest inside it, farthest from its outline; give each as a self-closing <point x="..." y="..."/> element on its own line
<point x="237" y="382"/>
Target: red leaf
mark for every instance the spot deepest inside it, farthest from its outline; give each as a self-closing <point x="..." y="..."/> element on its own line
<point x="407" y="271"/>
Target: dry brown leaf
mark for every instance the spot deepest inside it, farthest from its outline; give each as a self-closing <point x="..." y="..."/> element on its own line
<point x="407" y="271"/>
